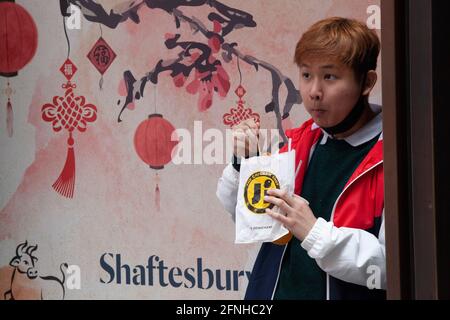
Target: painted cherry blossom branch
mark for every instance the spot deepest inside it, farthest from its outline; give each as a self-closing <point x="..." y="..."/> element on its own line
<point x="229" y="20"/>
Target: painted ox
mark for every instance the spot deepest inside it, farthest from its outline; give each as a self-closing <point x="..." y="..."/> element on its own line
<point x="27" y="283"/>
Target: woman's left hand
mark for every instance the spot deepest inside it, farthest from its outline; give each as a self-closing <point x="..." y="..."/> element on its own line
<point x="295" y="213"/>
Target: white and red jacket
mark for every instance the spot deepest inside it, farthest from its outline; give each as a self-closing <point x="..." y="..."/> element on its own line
<point x="350" y="247"/>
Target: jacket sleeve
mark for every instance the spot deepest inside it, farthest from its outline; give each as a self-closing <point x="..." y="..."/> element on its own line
<point x="348" y="254"/>
<point x="227" y="189"/>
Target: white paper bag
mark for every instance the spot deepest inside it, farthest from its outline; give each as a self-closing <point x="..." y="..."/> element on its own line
<point x="257" y="175"/>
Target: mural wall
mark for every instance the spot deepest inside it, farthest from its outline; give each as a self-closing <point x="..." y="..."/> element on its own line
<point x="113" y="126"/>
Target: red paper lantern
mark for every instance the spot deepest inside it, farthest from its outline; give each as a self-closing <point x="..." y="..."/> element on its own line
<point x="154" y="145"/>
<point x="18" y="38"/>
<point x="18" y="43"/>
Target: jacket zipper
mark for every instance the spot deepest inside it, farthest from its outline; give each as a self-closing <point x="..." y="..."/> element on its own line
<point x="279" y="271"/>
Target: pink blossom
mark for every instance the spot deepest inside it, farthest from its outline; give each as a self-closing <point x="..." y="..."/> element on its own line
<point x="168" y="36"/>
<point x="179" y="80"/>
<point x="214" y="44"/>
<point x="194" y="56"/>
<point x="205" y="96"/>
<point x="221" y="81"/>
<point x="217" y="26"/>
<point x="218" y="81"/>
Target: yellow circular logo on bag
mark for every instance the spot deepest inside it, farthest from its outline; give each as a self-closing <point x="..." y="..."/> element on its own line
<point x="256" y="188"/>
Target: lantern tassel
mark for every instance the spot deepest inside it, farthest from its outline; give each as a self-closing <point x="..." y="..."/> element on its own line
<point x="9" y="118"/>
<point x="65" y="184"/>
<point x="157" y="198"/>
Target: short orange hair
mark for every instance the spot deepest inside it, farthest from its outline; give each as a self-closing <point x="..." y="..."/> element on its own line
<point x="349" y="41"/>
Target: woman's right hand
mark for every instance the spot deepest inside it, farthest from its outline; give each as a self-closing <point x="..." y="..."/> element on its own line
<point x="245" y="138"/>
